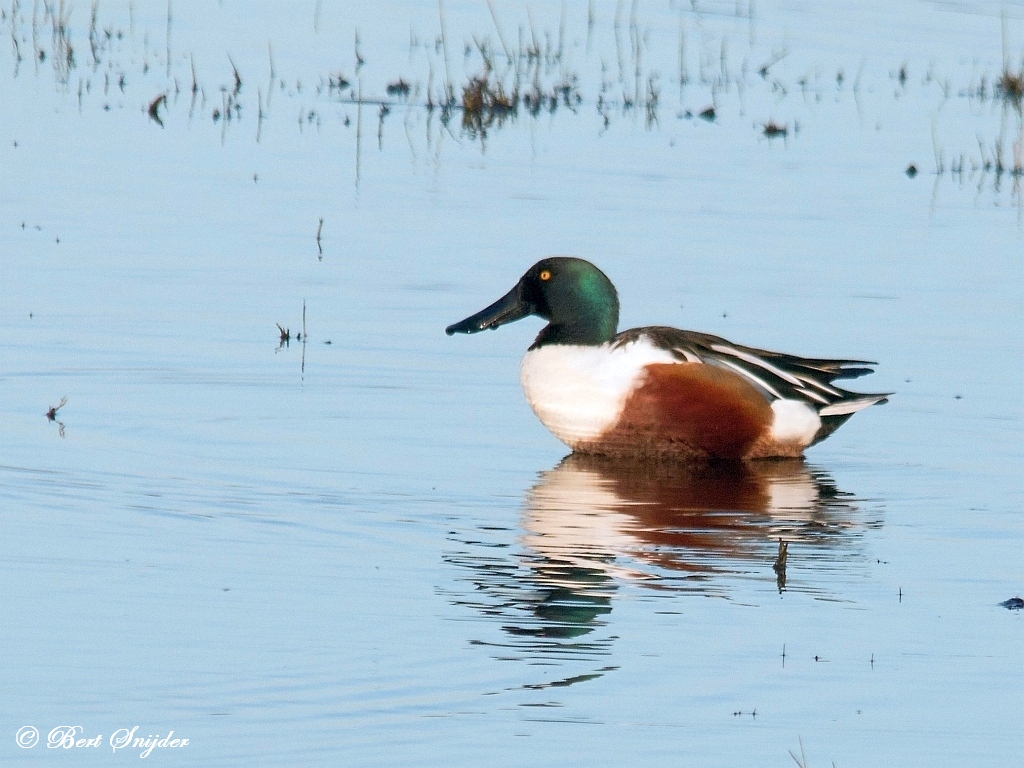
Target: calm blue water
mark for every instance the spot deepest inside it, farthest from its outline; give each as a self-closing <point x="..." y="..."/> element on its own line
<point x="360" y="547"/>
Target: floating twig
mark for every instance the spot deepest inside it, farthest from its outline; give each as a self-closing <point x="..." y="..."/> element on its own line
<point x="238" y="78"/>
<point x="802" y="760"/>
<point x="154" y="109"/>
<point x="776" y="58"/>
<point x="303" y="338"/>
<point x="780" y="565"/>
<point x="52" y="413"/>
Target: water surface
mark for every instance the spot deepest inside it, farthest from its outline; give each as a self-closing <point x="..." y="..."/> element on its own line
<point x="359" y="546"/>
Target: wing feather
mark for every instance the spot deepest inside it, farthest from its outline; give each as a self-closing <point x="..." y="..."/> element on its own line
<point x="777" y="375"/>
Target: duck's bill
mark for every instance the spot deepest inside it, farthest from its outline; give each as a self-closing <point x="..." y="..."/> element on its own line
<point x="509" y="308"/>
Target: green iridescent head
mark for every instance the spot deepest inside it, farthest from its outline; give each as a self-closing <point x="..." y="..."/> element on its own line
<point x="575" y="297"/>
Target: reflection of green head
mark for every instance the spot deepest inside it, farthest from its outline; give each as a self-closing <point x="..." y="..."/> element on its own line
<point x="571" y="611"/>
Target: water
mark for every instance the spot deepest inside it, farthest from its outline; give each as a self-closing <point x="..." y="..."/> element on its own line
<point x="360" y="547"/>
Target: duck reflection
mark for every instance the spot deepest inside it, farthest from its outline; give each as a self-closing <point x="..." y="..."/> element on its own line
<point x="592" y="526"/>
<point x="662" y="522"/>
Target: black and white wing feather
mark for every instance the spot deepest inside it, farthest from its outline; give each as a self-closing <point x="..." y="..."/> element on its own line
<point x="776" y="375"/>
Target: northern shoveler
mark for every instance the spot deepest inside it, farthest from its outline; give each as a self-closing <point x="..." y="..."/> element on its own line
<point x="658" y="391"/>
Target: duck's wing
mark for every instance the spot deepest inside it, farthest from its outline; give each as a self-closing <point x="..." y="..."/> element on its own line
<point x="776" y="375"/>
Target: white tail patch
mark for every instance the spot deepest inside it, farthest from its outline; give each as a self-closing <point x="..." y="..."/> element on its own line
<point x="851" y="406"/>
<point x="795" y="422"/>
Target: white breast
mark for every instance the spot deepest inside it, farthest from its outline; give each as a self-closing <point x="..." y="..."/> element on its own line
<point x="577" y="391"/>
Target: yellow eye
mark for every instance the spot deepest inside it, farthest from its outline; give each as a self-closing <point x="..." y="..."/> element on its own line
<point x="545" y="275"/>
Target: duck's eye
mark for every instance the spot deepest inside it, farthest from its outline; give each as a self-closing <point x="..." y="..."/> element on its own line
<point x="544" y="275"/>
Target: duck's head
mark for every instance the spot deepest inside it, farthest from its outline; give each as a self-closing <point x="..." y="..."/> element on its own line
<point x="575" y="297"/>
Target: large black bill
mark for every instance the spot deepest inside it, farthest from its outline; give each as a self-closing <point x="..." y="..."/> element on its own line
<point x="507" y="309"/>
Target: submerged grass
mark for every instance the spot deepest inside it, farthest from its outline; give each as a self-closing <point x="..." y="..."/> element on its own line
<point x="486" y="103"/>
<point x="1011" y="86"/>
<point x="531" y="76"/>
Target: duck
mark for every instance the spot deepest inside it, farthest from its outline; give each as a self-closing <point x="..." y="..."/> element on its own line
<point x="661" y="392"/>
